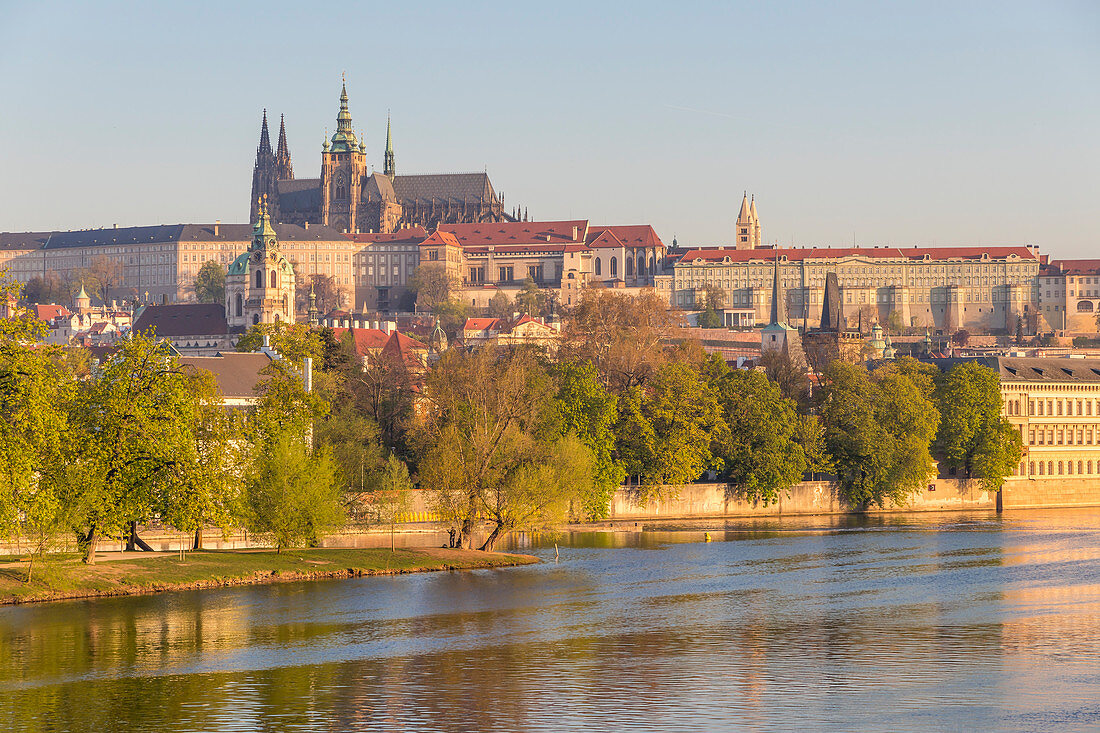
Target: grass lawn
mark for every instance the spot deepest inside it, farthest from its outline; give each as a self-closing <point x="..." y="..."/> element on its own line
<point x="64" y="576"/>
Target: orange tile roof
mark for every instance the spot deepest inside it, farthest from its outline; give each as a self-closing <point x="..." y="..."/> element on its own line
<point x="519" y="232"/>
<point x="632" y="235"/>
<point x="1077" y="267"/>
<point x="366" y="340"/>
<point x="49" y="312"/>
<point x="408" y="235"/>
<point x="480" y="324"/>
<point x="439" y="237"/>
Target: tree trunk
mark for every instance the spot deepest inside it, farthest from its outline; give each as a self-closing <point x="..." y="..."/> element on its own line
<point x="90" y="542"/>
<point x="491" y="540"/>
<point x="198" y="539"/>
<point x="131" y="541"/>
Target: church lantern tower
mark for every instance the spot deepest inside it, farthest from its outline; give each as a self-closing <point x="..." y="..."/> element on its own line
<point x="259" y="286"/>
<point x="343" y="171"/>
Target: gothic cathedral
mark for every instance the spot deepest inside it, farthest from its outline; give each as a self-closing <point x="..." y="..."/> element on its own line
<point x="352" y="198"/>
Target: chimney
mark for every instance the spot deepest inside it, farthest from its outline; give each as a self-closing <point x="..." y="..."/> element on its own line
<point x="307" y="374"/>
<point x="217" y="223"/>
<point x="306" y="225"/>
<point x="574" y="234"/>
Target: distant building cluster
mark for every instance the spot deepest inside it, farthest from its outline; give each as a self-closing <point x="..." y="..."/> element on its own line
<point x="367" y="233"/>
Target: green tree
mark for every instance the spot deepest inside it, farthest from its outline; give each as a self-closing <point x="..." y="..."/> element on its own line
<point x="433" y="286"/>
<point x="452" y="315"/>
<point x="878" y="429"/>
<point x="212" y="464"/>
<point x="36" y="389"/>
<point x="352" y="439"/>
<point x="209" y="283"/>
<point x="137" y="443"/>
<point x="494" y="428"/>
<point x="972" y="433"/>
<point x="664" y="430"/>
<point x="531" y="299"/>
<point x="757" y="443"/>
<point x="291" y="493"/>
<point x="588" y="411"/>
<point x="713" y="300"/>
<point x="45" y="289"/>
<point x="293" y="341"/>
<point x="500" y="305"/>
<point x="394" y="493"/>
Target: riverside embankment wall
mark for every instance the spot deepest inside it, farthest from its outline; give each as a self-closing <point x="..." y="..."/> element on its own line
<point x="819" y="497"/>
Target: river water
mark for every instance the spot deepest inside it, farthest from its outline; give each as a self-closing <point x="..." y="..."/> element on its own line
<point x="930" y="623"/>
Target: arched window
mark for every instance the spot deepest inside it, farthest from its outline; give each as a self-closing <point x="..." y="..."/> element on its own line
<point x="341" y="193"/>
<point x="1042" y="468"/>
<point x="629" y="266"/>
<point x="286" y="307"/>
<point x="259" y="278"/>
<point x="1032" y="471"/>
<point x="240" y="305"/>
<point x="614" y="267"/>
<point x="274" y="280"/>
<point x="598" y="266"/>
<point x="1080" y="467"/>
<point x="255" y="318"/>
<point x="277" y="318"/>
<point x="641" y="265"/>
<point x="651" y="264"/>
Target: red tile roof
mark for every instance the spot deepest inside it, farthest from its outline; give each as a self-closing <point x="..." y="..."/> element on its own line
<point x="480" y="324"/>
<point x="408" y="235"/>
<point x="49" y="312"/>
<point x="632" y="235"/>
<point x="437" y="238"/>
<point x="1077" y="267"/>
<point x="519" y="232"/>
<point x="366" y="340"/>
<point x="403" y="347"/>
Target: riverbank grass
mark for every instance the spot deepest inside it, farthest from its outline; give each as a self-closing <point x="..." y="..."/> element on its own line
<point x="65" y="576"/>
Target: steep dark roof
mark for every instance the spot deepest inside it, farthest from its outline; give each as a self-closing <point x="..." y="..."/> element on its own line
<point x="380" y="186"/>
<point x="243" y="233"/>
<point x="1032" y="368"/>
<point x="237" y="374"/>
<point x="24" y="240"/>
<point x="832" y="307"/>
<point x="444" y="187"/>
<point x="300" y="194"/>
<point x="115" y="235"/>
<point x="183" y="319"/>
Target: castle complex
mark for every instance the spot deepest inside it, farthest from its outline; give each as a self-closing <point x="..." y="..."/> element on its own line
<point x="351" y="198"/>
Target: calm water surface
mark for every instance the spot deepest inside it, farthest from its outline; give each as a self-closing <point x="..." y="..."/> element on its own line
<point x="919" y="623"/>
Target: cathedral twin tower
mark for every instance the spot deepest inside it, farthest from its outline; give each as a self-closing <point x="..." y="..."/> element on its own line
<point x="351" y="198"/>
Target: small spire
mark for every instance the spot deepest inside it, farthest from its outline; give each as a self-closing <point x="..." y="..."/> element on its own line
<point x="388" y="167"/>
<point x="265" y="139"/>
<point x="284" y="170"/>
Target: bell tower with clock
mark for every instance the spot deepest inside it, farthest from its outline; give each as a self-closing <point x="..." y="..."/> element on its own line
<point x="259" y="286"/>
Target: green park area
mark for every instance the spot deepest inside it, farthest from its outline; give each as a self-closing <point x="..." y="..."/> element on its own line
<point x="66" y="576"/>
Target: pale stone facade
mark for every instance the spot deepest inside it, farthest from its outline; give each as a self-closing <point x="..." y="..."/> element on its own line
<point x="1069" y="295"/>
<point x="1055" y="404"/>
<point x="944" y="289"/>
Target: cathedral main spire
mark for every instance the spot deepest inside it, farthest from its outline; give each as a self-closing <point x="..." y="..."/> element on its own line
<point x="344" y="140"/>
<point x="388" y="167"/>
<point x="264" y="148"/>
<point x="284" y="170"/>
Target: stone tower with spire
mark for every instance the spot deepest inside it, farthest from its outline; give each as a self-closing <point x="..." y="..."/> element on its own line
<point x="284" y="171"/>
<point x="748" y="224"/>
<point x="264" y="176"/>
<point x="388" y="167"/>
<point x="779" y="335"/>
<point x="343" y="170"/>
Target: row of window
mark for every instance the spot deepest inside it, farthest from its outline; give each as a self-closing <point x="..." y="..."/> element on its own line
<point x="1063" y="468"/>
<point x="1051" y="407"/>
<point x="1063" y="436"/>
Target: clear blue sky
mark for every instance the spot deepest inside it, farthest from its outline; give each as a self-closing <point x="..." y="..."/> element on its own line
<point x="893" y="123"/>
